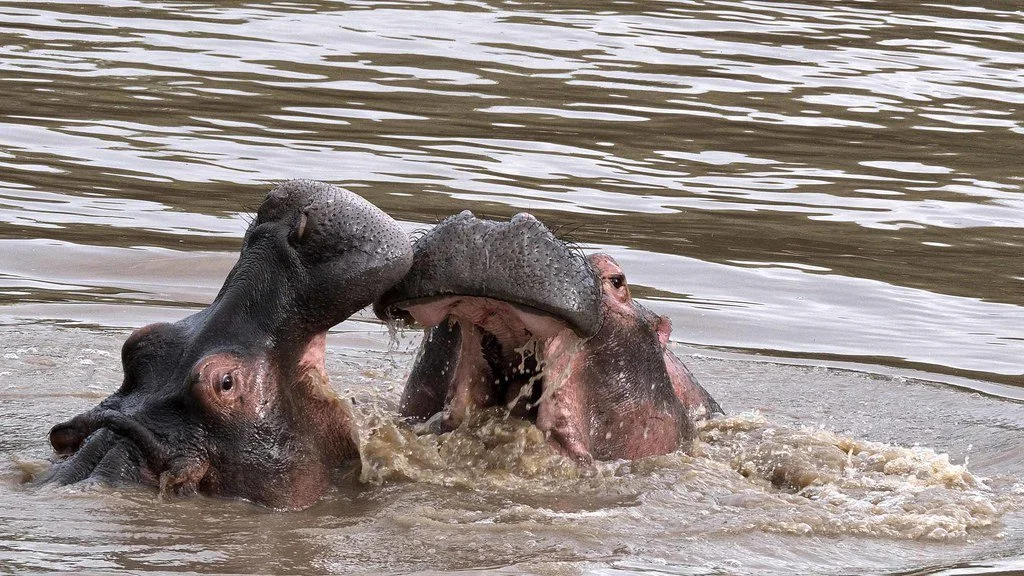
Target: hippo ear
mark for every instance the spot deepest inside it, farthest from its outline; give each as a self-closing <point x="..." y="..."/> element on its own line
<point x="663" y="326"/>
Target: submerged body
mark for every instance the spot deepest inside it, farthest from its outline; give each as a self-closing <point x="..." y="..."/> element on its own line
<point x="233" y="400"/>
<point x="516" y="317"/>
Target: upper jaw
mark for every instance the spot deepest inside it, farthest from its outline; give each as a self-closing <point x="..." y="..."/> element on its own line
<point x="511" y="323"/>
<point x="519" y="263"/>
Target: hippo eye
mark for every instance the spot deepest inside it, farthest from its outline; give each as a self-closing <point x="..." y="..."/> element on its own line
<point x="226" y="382"/>
<point x="618" y="281"/>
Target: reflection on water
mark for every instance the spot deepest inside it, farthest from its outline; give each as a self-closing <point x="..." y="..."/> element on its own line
<point x="718" y="140"/>
<point x="837" y="183"/>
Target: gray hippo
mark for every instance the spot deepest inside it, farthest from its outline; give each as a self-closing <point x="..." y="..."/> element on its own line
<point x="234" y="400"/>
<point x="516" y="317"/>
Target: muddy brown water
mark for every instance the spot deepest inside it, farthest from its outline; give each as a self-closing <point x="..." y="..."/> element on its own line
<point x="826" y="198"/>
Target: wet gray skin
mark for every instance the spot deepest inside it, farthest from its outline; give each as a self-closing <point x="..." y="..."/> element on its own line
<point x="519" y="262"/>
<point x="233" y="401"/>
<point x="515" y="317"/>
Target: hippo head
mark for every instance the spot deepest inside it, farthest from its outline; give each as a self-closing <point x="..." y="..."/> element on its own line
<point x="234" y="400"/>
<point x="517" y="318"/>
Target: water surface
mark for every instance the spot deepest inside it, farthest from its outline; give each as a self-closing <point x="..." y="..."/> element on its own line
<point x="825" y="198"/>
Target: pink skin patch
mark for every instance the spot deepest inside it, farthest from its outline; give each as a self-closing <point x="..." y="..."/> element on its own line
<point x="685" y="386"/>
<point x="563" y="405"/>
<point x="586" y="420"/>
<point x="509" y="323"/>
<point x="472" y="376"/>
<point x="314" y="356"/>
<point x="617" y="297"/>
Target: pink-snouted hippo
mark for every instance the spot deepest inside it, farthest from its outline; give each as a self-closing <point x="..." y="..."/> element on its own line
<point x="516" y="317"/>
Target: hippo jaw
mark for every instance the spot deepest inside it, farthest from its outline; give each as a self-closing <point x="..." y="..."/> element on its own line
<point x="234" y="400"/>
<point x="547" y="334"/>
<point x="486" y="291"/>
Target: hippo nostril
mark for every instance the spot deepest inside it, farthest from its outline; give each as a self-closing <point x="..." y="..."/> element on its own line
<point x="65" y="438"/>
<point x="226" y="382"/>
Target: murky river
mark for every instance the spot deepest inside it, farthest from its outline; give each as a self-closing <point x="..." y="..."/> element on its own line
<point x="825" y="197"/>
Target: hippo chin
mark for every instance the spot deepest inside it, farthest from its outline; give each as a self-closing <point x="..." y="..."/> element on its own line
<point x="234" y="400"/>
<point x="516" y="317"/>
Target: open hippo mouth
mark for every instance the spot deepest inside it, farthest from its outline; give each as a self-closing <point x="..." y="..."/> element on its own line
<point x="234" y="400"/>
<point x="517" y="318"/>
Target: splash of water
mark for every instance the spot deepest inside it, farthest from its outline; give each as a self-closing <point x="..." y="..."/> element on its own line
<point x="746" y="474"/>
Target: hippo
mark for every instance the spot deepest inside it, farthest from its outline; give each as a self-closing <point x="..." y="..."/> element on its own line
<point x="518" y="319"/>
<point x="234" y="400"/>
